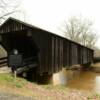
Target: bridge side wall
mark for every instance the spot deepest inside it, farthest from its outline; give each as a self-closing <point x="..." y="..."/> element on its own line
<point x="56" y="52"/>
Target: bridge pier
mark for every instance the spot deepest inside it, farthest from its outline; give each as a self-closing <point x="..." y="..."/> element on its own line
<point x="44" y="78"/>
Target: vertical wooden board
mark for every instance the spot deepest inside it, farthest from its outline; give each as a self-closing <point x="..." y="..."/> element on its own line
<point x="72" y="59"/>
<point x="62" y="52"/>
<point x="87" y="54"/>
<point x="84" y="56"/>
<point x="71" y="54"/>
<point x="49" y="54"/>
<point x="52" y="53"/>
<point x="58" y="54"/>
<point x="45" y="52"/>
<point x="91" y="55"/>
<point x="75" y="54"/>
<point x="68" y="53"/>
<point x="65" y="53"/>
<point x="79" y="55"/>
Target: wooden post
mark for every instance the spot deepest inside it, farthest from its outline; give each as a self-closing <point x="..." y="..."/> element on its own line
<point x="15" y="75"/>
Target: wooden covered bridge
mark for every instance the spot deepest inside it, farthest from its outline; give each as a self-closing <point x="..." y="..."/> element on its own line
<point x="42" y="51"/>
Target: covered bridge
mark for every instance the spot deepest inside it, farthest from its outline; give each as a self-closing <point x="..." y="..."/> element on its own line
<point x="47" y="50"/>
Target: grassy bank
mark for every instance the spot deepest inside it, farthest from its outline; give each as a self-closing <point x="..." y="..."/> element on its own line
<point x="42" y="92"/>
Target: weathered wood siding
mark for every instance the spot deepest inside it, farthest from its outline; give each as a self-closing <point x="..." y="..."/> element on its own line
<point x="53" y="51"/>
<point x="57" y="52"/>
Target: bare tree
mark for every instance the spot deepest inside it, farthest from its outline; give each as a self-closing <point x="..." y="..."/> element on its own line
<point x="80" y="31"/>
<point x="8" y="7"/>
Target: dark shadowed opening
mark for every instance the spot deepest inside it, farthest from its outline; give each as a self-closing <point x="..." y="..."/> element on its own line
<point x="25" y="46"/>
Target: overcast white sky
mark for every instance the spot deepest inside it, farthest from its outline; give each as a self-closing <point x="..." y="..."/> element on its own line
<point x="50" y="14"/>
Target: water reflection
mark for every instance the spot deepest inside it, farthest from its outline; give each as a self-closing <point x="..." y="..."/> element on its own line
<point x="84" y="80"/>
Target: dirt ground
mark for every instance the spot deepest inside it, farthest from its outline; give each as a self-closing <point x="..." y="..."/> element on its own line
<point x="22" y="89"/>
<point x="47" y="92"/>
<point x="61" y="93"/>
<point x="10" y="96"/>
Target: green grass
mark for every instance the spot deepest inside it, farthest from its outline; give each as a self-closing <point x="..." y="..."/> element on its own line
<point x="94" y="96"/>
<point x="9" y="80"/>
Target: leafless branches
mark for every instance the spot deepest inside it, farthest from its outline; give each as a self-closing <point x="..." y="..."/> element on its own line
<point x="8" y="7"/>
<point x="80" y="31"/>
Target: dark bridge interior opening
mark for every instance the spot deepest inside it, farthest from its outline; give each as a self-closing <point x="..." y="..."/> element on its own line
<point x="24" y="44"/>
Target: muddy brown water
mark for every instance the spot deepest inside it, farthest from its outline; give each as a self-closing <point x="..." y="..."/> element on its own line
<point x="76" y="79"/>
<point x="85" y="80"/>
